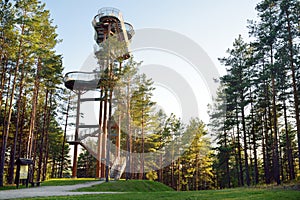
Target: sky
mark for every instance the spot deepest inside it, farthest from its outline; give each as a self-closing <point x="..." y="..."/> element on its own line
<point x="213" y="25"/>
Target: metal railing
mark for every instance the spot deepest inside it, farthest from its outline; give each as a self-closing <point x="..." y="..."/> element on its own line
<point x="82" y="76"/>
<point x="129" y="30"/>
<point x="107" y="11"/>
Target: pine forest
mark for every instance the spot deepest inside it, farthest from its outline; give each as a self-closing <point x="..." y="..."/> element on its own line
<point x="252" y="138"/>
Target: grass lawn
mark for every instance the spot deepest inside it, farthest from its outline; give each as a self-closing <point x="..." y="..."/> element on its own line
<point x="67" y="181"/>
<point x="53" y="182"/>
<point x="148" y="190"/>
<point x="128" y="186"/>
<point x="11" y="187"/>
<point x="236" y="194"/>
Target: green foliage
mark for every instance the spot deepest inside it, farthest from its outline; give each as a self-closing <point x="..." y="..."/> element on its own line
<point x="86" y="165"/>
<point x="152" y="176"/>
<point x="31" y="72"/>
<point x="258" y="103"/>
<point x="111" y="49"/>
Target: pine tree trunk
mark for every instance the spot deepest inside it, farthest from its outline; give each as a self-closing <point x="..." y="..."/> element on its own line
<point x="4" y="71"/>
<point x="276" y="165"/>
<point x="267" y="117"/>
<point x="179" y="176"/>
<point x="245" y="145"/>
<point x="22" y="147"/>
<point x="46" y="151"/>
<point x="9" y="115"/>
<point x="289" y="152"/>
<point x="264" y="154"/>
<point x="16" y="135"/>
<point x="294" y="82"/>
<point x="142" y="172"/>
<point x="241" y="174"/>
<point x="227" y="161"/>
<point x="42" y="138"/>
<point x="109" y="125"/>
<point x="64" y="139"/>
<point x="129" y="134"/>
<point x="236" y="153"/>
<point x="256" y="173"/>
<point x="104" y="138"/>
<point x="173" y="170"/>
<point x="281" y="164"/>
<point x="74" y="168"/>
<point x="270" y="144"/>
<point x="33" y="111"/>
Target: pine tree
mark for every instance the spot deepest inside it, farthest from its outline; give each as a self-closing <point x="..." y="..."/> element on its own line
<point x="237" y="61"/>
<point x="86" y="164"/>
<point x="142" y="108"/>
<point x="289" y="17"/>
<point x="28" y="39"/>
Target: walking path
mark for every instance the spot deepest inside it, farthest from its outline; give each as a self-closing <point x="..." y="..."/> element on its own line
<point x="49" y="191"/>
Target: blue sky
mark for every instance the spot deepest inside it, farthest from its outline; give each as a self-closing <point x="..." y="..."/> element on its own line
<point x="212" y="24"/>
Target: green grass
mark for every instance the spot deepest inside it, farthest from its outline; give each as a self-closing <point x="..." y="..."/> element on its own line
<point x="230" y="194"/>
<point x="67" y="181"/>
<point x="148" y="190"/>
<point x="128" y="186"/>
<point x="53" y="182"/>
<point x="11" y="187"/>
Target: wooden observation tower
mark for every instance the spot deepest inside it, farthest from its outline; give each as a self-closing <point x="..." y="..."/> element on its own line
<point x="108" y="25"/>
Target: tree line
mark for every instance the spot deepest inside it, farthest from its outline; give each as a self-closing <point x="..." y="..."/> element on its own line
<point x="156" y="146"/>
<point x="255" y="116"/>
<point x="35" y="111"/>
<point x="30" y="94"/>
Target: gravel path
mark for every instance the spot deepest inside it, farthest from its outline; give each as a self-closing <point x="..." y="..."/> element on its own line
<point x="45" y="191"/>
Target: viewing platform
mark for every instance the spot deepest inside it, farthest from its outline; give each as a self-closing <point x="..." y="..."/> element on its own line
<point x="82" y="81"/>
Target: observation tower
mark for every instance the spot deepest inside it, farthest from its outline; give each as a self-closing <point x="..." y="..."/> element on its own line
<point x="112" y="36"/>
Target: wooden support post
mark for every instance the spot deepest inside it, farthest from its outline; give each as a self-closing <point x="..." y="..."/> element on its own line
<point x="74" y="169"/>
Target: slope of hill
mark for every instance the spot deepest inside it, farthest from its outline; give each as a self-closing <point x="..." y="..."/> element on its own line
<point x="129" y="186"/>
